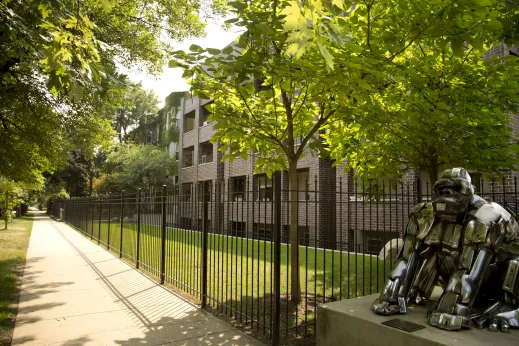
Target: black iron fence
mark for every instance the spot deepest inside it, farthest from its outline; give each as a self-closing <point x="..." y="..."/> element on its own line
<point x="227" y="243"/>
<point x="55" y="208"/>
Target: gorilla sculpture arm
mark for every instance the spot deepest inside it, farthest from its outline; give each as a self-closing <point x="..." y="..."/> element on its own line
<point x="395" y="293"/>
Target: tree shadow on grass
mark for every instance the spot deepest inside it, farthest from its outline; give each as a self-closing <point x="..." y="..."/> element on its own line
<point x="254" y="315"/>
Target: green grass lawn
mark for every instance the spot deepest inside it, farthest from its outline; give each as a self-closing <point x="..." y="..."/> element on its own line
<point x="13" y="249"/>
<point x="240" y="271"/>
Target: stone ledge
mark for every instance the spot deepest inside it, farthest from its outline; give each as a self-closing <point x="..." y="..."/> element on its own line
<point x="351" y="322"/>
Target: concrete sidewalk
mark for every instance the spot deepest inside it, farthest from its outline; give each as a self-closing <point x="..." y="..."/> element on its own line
<point x="76" y="293"/>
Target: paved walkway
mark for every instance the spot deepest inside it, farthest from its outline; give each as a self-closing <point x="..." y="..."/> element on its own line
<point x="76" y="293"/>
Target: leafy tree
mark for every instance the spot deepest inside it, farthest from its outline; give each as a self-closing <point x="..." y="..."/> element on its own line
<point x="172" y="103"/>
<point x="13" y="193"/>
<point x="58" y="75"/>
<point x="132" y="166"/>
<point x="446" y="110"/>
<point x="301" y="66"/>
<point x="138" y="106"/>
<point x="174" y="99"/>
<point x="75" y="178"/>
<point x="435" y="102"/>
<point x="264" y="100"/>
<point x="37" y="132"/>
<point x="75" y="43"/>
<point x="386" y="30"/>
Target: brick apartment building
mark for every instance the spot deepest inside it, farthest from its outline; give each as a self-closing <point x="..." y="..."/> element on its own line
<point x="333" y="211"/>
<point x="331" y="215"/>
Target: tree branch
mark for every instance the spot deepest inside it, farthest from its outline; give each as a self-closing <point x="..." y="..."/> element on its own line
<point x="302" y="102"/>
<point x="4" y="122"/>
<point x="273" y="139"/>
<point x="314" y="129"/>
<point x="394" y="55"/>
<point x="461" y="65"/>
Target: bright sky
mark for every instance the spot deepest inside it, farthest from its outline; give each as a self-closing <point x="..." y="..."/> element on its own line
<point x="171" y="78"/>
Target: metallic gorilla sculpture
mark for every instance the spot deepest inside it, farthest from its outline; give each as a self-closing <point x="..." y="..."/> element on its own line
<point x="467" y="246"/>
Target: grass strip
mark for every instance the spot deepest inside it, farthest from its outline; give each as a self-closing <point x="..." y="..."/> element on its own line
<point x="13" y="249"/>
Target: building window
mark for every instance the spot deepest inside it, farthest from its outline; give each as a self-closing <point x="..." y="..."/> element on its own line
<point x="209" y="225"/>
<point x="186" y="223"/>
<point x="188" y="156"/>
<point x="172" y="119"/>
<point x="238" y="229"/>
<point x="206" y="153"/>
<point x="303" y="177"/>
<point x="264" y="190"/>
<point x="204" y="114"/>
<point x="238" y="188"/>
<point x="370" y="189"/>
<point x="187" y="190"/>
<point x="205" y="187"/>
<point x="351" y="240"/>
<point x="303" y="235"/>
<point x="263" y="231"/>
<point x="373" y="246"/>
<point x="258" y="85"/>
<point x="189" y="121"/>
<point x="476" y="181"/>
<point x="149" y="136"/>
<point x="168" y="119"/>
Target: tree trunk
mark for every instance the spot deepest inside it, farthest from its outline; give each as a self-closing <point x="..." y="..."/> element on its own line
<point x="433" y="170"/>
<point x="6" y="208"/>
<point x="91" y="183"/>
<point x="295" y="292"/>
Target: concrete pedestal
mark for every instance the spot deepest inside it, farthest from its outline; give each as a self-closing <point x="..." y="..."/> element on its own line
<point x="353" y="323"/>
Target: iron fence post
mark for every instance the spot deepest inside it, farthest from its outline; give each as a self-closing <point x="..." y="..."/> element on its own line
<point x="277" y="259"/>
<point x="99" y="229"/>
<point x="504" y="191"/>
<point x="108" y="233"/>
<point x="121" y="232"/>
<point x="163" y="238"/>
<point x="515" y="194"/>
<point x="137" y="252"/>
<point x="204" y="246"/>
<point x="93" y="207"/>
<point x="418" y="190"/>
<point x="85" y="227"/>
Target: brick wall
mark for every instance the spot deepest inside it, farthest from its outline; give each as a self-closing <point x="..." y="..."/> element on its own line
<point x="327" y="198"/>
<point x="335" y="215"/>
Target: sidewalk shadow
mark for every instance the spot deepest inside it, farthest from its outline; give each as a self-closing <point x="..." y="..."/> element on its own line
<point x="23" y="276"/>
<point x="77" y="342"/>
<point x="187" y="332"/>
<point x="162" y="316"/>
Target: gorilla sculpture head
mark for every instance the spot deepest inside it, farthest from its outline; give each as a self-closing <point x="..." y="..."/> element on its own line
<point x="451" y="194"/>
